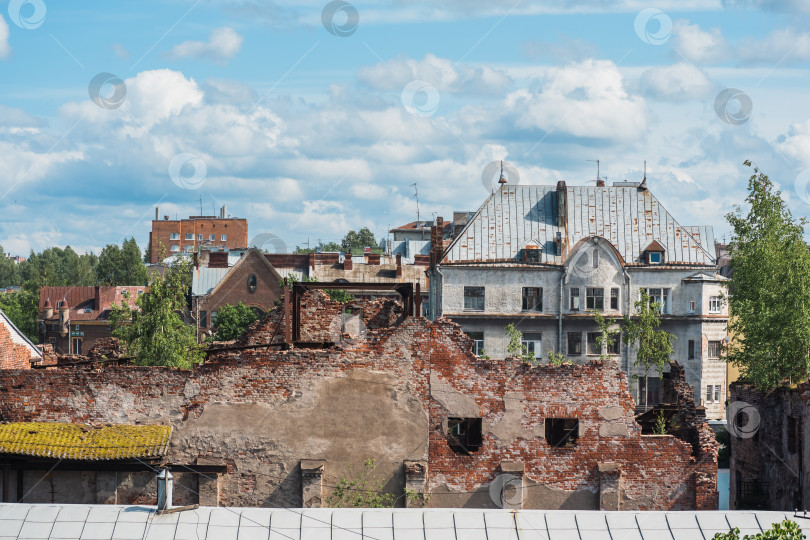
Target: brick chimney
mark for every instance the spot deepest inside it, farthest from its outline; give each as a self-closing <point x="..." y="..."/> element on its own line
<point x="374" y="259"/>
<point x="436" y="246"/>
<point x="600" y="183"/>
<point x="399" y="265"/>
<point x="347" y="261"/>
<point x="561" y="203"/>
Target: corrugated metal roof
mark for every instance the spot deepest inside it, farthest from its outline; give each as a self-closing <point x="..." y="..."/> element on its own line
<point x="128" y="522"/>
<point x="628" y="217"/>
<point x="204" y="279"/>
<point x="80" y="442"/>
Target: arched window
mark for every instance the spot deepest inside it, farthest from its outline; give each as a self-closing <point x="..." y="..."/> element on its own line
<point x="252" y="283"/>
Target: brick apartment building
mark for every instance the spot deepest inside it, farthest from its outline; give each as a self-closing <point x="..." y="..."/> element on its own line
<point x="72" y="319"/>
<point x="281" y="425"/>
<point x="172" y="236"/>
<point x="16" y="350"/>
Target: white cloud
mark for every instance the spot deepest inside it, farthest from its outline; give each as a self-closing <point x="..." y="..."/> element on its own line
<point x="782" y="45"/>
<point x="584" y="100"/>
<point x="223" y="44"/>
<point x="679" y="82"/>
<point x="698" y="45"/>
<point x="5" y="48"/>
<point x="440" y="72"/>
<point x="796" y="143"/>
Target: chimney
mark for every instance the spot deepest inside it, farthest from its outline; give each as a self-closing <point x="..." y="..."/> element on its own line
<point x="436" y="245"/>
<point x="157" y="213"/>
<point x="64" y="317"/>
<point x="399" y="265"/>
<point x="97" y="299"/>
<point x="165" y="486"/>
<point x="600" y="183"/>
<point x="374" y="259"/>
<point x="223" y="212"/>
<point x="561" y="203"/>
<point x="166" y="217"/>
<point x="347" y="261"/>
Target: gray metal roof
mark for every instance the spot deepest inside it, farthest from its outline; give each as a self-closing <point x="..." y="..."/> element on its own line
<point x="628" y="217"/>
<point x="108" y="522"/>
<point x="204" y="279"/>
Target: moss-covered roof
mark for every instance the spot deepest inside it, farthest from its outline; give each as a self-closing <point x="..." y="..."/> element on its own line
<point x="81" y="442"/>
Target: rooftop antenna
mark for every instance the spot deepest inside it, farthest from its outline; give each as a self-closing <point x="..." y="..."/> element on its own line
<point x="645" y="171"/>
<point x="201" y="205"/>
<point x="597" y="167"/>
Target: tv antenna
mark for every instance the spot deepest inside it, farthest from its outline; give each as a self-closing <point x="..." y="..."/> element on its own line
<point x="597" y="167"/>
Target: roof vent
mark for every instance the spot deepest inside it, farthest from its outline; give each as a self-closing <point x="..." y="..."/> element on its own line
<point x="165" y="487"/>
<point x="502" y="180"/>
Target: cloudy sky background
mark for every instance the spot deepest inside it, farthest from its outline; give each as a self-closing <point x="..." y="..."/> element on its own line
<point x="309" y="126"/>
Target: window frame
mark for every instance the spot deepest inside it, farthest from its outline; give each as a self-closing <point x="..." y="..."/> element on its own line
<point x="561" y="433"/>
<point x="594" y="296"/>
<point x="594" y="350"/>
<point x="478" y="344"/>
<point x="690" y="349"/>
<point x="715" y="304"/>
<point x="76" y="345"/>
<point x="533" y="344"/>
<point x="190" y="236"/>
<point x="223" y="238"/>
<point x="473" y="306"/>
<point x="718" y="346"/>
<point x="614" y="298"/>
<point x="537" y="299"/>
<point x="576" y="343"/>
<point x="662" y="296"/>
<point x="651" y="255"/>
<point x="573" y="293"/>
<point x="174" y="236"/>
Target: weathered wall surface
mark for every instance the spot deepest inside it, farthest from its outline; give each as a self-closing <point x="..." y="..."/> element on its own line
<point x="265" y="412"/>
<point x="13" y="355"/>
<point x="770" y="448"/>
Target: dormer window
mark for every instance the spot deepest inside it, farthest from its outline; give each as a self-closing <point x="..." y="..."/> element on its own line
<point x="654" y="253"/>
<point x="655" y="257"/>
<point x="531" y="252"/>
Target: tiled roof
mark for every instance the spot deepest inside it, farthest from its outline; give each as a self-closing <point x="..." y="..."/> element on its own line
<point x="628" y="217"/>
<point x="80" y="442"/>
<point x="82" y="300"/>
<point x="109" y="522"/>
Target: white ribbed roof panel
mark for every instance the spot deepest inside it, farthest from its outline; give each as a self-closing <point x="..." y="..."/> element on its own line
<point x="628" y="217"/>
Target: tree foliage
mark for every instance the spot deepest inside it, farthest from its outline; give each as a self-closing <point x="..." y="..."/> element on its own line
<point x="157" y="335"/>
<point x="516" y="348"/>
<point x="58" y="267"/>
<point x="121" y="266"/>
<point x="9" y="271"/>
<point x="22" y="308"/>
<point x="787" y="530"/>
<point x="653" y="346"/>
<point x="769" y="299"/>
<point x="232" y="321"/>
<point x="361" y="490"/>
<point x="352" y="240"/>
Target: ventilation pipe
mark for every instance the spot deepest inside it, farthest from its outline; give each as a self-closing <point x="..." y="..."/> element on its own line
<point x="165" y="487"/>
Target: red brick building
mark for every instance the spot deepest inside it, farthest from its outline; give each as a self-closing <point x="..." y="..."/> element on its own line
<point x="16" y="350"/>
<point x="172" y="236"/>
<point x="72" y="319"/>
<point x="367" y="382"/>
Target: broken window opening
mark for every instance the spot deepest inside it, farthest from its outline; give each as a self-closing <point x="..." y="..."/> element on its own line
<point x="562" y="432"/>
<point x="614" y="299"/>
<point x="532" y="299"/>
<point x="464" y="435"/>
<point x="595" y="298"/>
<point x="474" y="298"/>
<point x="574" y="298"/>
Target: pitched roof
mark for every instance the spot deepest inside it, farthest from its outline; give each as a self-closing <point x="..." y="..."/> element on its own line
<point x="80" y="442"/>
<point x="21" y="520"/>
<point x="82" y="300"/>
<point x="628" y="217"/>
<point x="18" y="337"/>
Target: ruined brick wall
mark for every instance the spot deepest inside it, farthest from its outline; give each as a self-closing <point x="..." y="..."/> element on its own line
<point x="770" y="447"/>
<point x="13" y="355"/>
<point x="386" y="397"/>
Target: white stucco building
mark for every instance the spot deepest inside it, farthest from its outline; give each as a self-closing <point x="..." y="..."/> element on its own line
<point x="543" y="257"/>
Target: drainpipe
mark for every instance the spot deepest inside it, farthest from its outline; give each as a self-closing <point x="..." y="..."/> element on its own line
<point x="165" y="487"/>
<point x="628" y="303"/>
<point x="438" y="288"/>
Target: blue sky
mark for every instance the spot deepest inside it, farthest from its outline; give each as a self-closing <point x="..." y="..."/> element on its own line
<point x="309" y="131"/>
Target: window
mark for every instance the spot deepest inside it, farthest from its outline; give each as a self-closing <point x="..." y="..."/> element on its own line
<point x="532" y="299"/>
<point x="717" y="393"/>
<point x="252" y="283"/>
<point x="595" y="298"/>
<point x="575" y="298"/>
<point x="203" y="319"/>
<point x="649" y="387"/>
<point x="714" y="349"/>
<point x="174" y="236"/>
<point x="188" y="249"/>
<point x="574" y="343"/>
<point x="52" y="341"/>
<point x="478" y="342"/>
<point x="533" y="343"/>
<point x="175" y="247"/>
<point x="189" y="236"/>
<point x="596" y="258"/>
<point x="715" y="304"/>
<point x="660" y="296"/>
<point x="531" y="255"/>
<point x="709" y="394"/>
<point x="655" y="257"/>
<point x="76" y="346"/>
<point x="464" y="434"/>
<point x="615" y="347"/>
<point x="691" y="306"/>
<point x="592" y="344"/>
<point x="614" y="298"/>
<point x="562" y="432"/>
<point x="213" y="319"/>
<point x="199" y="237"/>
<point x="691" y="349"/>
<point x="224" y="237"/>
<point x="212" y="237"/>
<point x="474" y="298"/>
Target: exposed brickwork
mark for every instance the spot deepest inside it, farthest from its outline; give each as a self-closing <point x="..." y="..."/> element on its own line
<point x="234" y="229"/>
<point x="13" y="355"/>
<point x="388" y="396"/>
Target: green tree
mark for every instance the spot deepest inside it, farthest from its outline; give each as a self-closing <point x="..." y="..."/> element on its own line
<point x="787" y="530"/>
<point x="321" y="247"/>
<point x="607" y="334"/>
<point x="9" y="271"/>
<point x="362" y="490"/>
<point x="58" y="267"/>
<point x="232" y="321"/>
<point x="769" y="298"/>
<point x="22" y="308"/>
<point x="157" y="335"/>
<point x="360" y="239"/>
<point x="121" y="266"/>
<point x="653" y="346"/>
<point x="516" y="348"/>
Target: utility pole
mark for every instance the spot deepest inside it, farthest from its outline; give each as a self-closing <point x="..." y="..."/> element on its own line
<point x="418" y="220"/>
